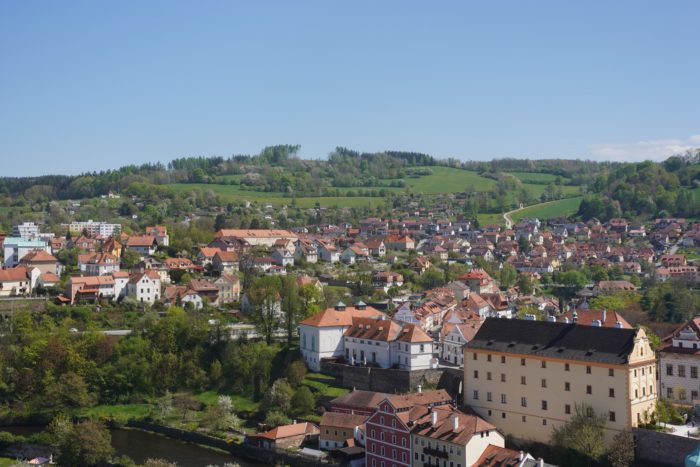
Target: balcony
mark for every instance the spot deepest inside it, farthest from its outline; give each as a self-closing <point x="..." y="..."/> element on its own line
<point x="435" y="453"/>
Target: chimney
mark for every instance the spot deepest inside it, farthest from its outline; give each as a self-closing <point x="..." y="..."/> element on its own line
<point x="605" y="313"/>
<point x="618" y="324"/>
<point x="521" y="456"/>
<point x="540" y="462"/>
<point x="419" y="389"/>
<point x="596" y="323"/>
<point x="433" y="418"/>
<point x="552" y="319"/>
<point x="455" y="422"/>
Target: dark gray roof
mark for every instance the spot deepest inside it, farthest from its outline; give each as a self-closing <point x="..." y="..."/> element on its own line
<point x="555" y="340"/>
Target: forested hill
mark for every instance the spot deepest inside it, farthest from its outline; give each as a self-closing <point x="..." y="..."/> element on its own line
<point x="611" y="189"/>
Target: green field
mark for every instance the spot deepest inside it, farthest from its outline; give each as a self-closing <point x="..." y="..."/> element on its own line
<point x="550" y="210"/>
<point x="449" y="180"/>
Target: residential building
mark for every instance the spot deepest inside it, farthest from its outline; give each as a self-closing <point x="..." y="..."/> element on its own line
<point x="365" y="403"/>
<point x="225" y="262"/>
<point x="144" y="245"/>
<point x="257" y="237"/>
<point x="455" y="333"/>
<point x="93" y="229"/>
<point x="144" y="286"/>
<point x="161" y="234"/>
<point x="526" y="377"/>
<point x="283" y="257"/>
<point x="15" y="281"/>
<point x="26" y="230"/>
<point x="679" y="360"/>
<point x="321" y="335"/>
<point x="229" y="286"/>
<point x="388" y="438"/>
<point x="284" y="437"/>
<point x="98" y="264"/>
<point x="15" y="249"/>
<point x="338" y="429"/>
<point x="43" y="261"/>
<point x="90" y="288"/>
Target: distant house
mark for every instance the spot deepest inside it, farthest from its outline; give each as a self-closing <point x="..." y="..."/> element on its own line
<point x="284" y="437"/>
<point x="90" y="288"/>
<point x="376" y="247"/>
<point x="337" y="429"/>
<point x="160" y="232"/>
<point x="229" y="286"/>
<point x="41" y="260"/>
<point x="144" y="245"/>
<point x="328" y="252"/>
<point x="98" y="264"/>
<point x="15" y="281"/>
<point x="144" y="287"/>
<point x="283" y="257"/>
<point x="225" y="262"/>
<point x="399" y="242"/>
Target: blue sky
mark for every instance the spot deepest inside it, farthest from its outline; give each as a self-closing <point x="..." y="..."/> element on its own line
<point x="96" y="85"/>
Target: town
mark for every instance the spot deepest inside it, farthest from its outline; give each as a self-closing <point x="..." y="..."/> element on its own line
<point x="443" y="342"/>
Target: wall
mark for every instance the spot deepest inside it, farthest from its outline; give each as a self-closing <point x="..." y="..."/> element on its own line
<point x="655" y="449"/>
<point x="393" y="380"/>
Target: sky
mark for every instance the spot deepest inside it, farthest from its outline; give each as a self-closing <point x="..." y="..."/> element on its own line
<point x="88" y="85"/>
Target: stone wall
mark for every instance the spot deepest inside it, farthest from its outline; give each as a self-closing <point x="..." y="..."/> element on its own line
<point x="656" y="449"/>
<point x="392" y="380"/>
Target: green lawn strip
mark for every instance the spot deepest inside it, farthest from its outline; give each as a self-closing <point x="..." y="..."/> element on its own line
<point x="6" y="462"/>
<point x="323" y="386"/>
<point x="240" y="403"/>
<point x="550" y="210"/>
<point x="538" y="177"/>
<point x="122" y="412"/>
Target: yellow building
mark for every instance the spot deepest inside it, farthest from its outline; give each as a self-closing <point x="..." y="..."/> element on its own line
<point x="526" y="377"/>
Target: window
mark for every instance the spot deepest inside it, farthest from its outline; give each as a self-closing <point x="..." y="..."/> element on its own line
<point x="476" y="374"/>
<point x="567" y="386"/>
<point x="524" y="419"/>
<point x="544" y="364"/>
<point x="566" y="367"/>
<point x="544" y="383"/>
<point x="588" y="370"/>
<point x="644" y="391"/>
<point x="522" y="362"/>
<point x="476" y="395"/>
<point x="651" y="389"/>
<point x="611" y="416"/>
<point x="589" y="389"/>
<point x="503" y="359"/>
<point x="694" y="372"/>
<point x="544" y="422"/>
<point x="642" y="371"/>
<point x="474" y="357"/>
<point x="488" y="376"/>
<point x="488" y="397"/>
<point x="567" y="409"/>
<point x="681" y="371"/>
<point x="503" y="398"/>
<point x="503" y="377"/>
<point x="544" y="405"/>
<point x="669" y="393"/>
<point x="669" y="370"/>
<point x="503" y="415"/>
<point x="488" y="358"/>
<point x="611" y="372"/>
<point x="636" y="393"/>
<point x="523" y="401"/>
<point x="522" y="380"/>
<point x="422" y="348"/>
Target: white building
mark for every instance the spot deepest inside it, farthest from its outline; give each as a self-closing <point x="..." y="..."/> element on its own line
<point x="102" y="229"/>
<point x="144" y="287"/>
<point x="454" y="335"/>
<point x="25" y="230"/>
<point x="17" y="248"/>
<point x="679" y="359"/>
<point x="321" y="335"/>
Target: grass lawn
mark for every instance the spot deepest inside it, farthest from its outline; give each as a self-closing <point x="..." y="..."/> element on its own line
<point x="691" y="253"/>
<point x="538" y="177"/>
<point x="323" y="385"/>
<point x="550" y="210"/>
<point x="240" y="403"/>
<point x="449" y="180"/>
<point x="6" y="462"/>
<point x="486" y="219"/>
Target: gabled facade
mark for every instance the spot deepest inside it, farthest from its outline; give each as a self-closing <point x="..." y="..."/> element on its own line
<point x="144" y="287"/>
<point x="679" y="360"/>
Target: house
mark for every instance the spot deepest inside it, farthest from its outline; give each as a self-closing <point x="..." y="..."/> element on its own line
<point x="160" y="232"/>
<point x="399" y="242"/>
<point x="183" y="264"/>
<point x="98" y="264"/>
<point x="321" y="335"/>
<point x="205" y="256"/>
<point x="387" y="279"/>
<point x="90" y="288"/>
<point x="93" y="229"/>
<point x="388" y="437"/>
<point x="455" y="333"/>
<point x="376" y="247"/>
<point x="525" y="377"/>
<point x="284" y="437"/>
<point x="283" y="257"/>
<point x="679" y="359"/>
<point x="336" y="429"/>
<point x="445" y="435"/>
<point x="40" y="259"/>
<point x="229" y="286"/>
<point x="605" y="287"/>
<point x="306" y="250"/>
<point x="14" y="249"/>
<point x="144" y="287"/>
<point x="585" y="317"/>
<point x="48" y="280"/>
<point x="181" y="296"/>
<point x="15" y="281"/>
<point x="365" y="403"/>
<point x="112" y="246"/>
<point x="262" y="263"/>
<point x="144" y="245"/>
<point x="205" y="289"/>
<point x="386" y="343"/>
<point x="479" y="281"/>
<point x="328" y="252"/>
<point x="225" y="262"/>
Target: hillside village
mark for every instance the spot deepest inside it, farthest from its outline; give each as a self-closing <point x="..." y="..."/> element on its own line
<point x="534" y="320"/>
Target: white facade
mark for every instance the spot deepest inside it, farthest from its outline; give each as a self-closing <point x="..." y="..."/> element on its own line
<point x="26" y="230"/>
<point x="453" y="347"/>
<point x="414" y="356"/>
<point x="679" y="364"/>
<point x="318" y="343"/>
<point x="102" y="229"/>
<point x="145" y="290"/>
<point x="16" y="248"/>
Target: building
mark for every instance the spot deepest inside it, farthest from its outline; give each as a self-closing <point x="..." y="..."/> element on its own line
<point x="388" y="438"/>
<point x="454" y="335"/>
<point x="229" y="286"/>
<point x="90" y="288"/>
<point x="525" y="377"/>
<point x="359" y="402"/>
<point x="226" y="262"/>
<point x="93" y="229"/>
<point x="17" y="248"/>
<point x="15" y="281"/>
<point x="679" y="359"/>
<point x="144" y="286"/>
<point x="336" y="429"/>
<point x="144" y="245"/>
<point x="446" y="436"/>
<point x="98" y="264"/>
<point x="386" y="343"/>
<point x="161" y="234"/>
<point x="254" y="237"/>
<point x="321" y="335"/>
<point x="26" y="230"/>
<point x="41" y="260"/>
<point x="284" y="437"/>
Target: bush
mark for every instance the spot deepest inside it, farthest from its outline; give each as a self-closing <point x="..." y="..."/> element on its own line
<point x="275" y="418"/>
<point x="303" y="401"/>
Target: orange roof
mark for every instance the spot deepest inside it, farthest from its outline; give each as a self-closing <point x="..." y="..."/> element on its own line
<point x="332" y="317"/>
<point x="49" y="277"/>
<point x="467" y="425"/>
<point x="209" y="252"/>
<point x="13" y="274"/>
<point x="286" y="431"/>
<point x="38" y="256"/>
<point x="342" y="420"/>
<point x="227" y="256"/>
<point x="495" y="456"/>
<point x="92" y="281"/>
<point x="141" y="240"/>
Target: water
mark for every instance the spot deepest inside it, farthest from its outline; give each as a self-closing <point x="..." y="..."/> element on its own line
<point x="142" y="445"/>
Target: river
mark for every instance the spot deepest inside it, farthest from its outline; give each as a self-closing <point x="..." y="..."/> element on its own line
<point x="142" y="445"/>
